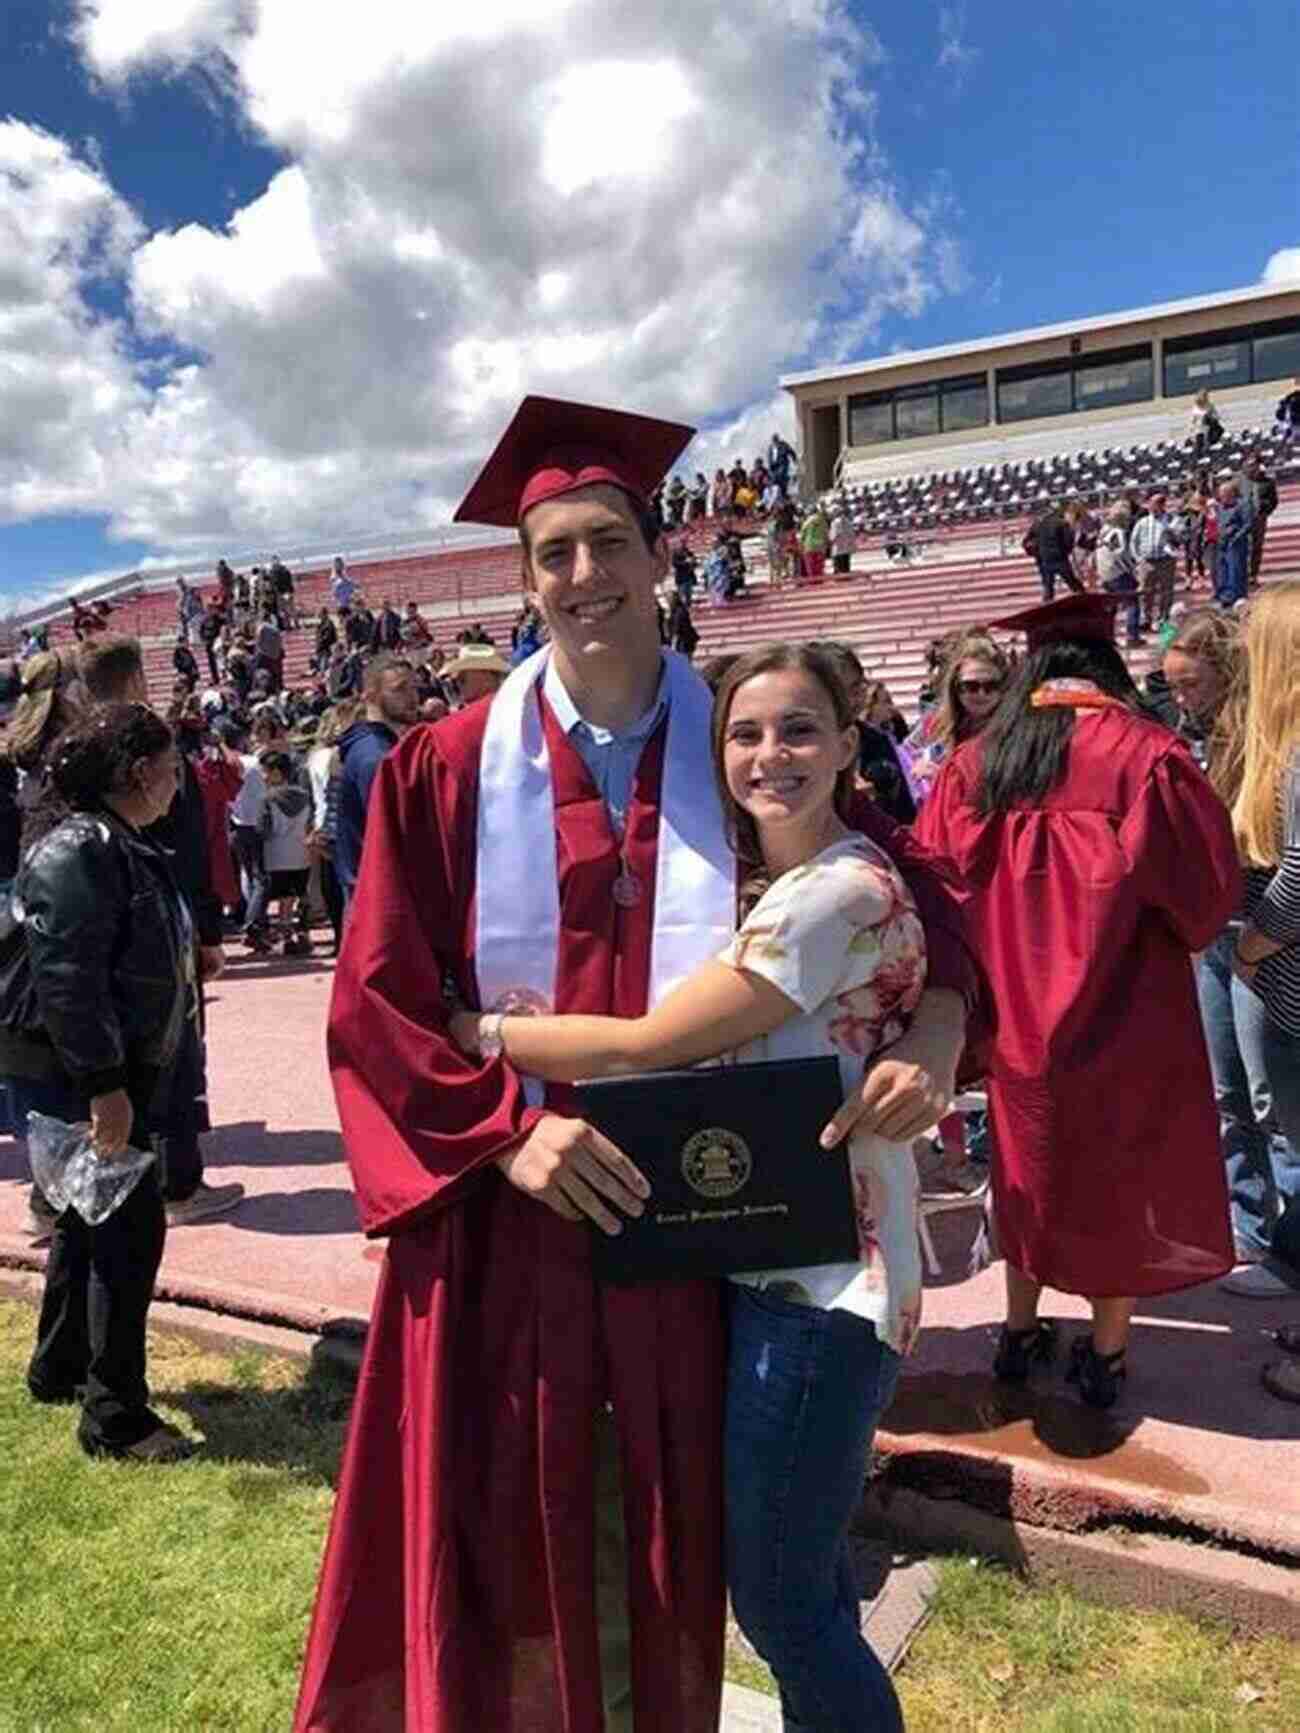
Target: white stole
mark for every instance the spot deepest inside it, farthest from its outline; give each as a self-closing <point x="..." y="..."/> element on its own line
<point x="517" y="907"/>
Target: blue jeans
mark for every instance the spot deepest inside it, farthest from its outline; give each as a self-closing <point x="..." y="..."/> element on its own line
<point x="1232" y="575"/>
<point x="1125" y="584"/>
<point x="805" y="1389"/>
<point x="1256" y="1069"/>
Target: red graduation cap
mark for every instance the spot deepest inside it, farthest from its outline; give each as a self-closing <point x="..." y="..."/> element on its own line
<point x="552" y="447"/>
<point x="1089" y="617"/>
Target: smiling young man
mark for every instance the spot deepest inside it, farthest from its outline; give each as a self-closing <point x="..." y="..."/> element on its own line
<point x="528" y="1530"/>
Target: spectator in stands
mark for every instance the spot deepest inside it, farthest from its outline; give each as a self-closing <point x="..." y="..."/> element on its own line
<point x="1085" y="526"/>
<point x="102" y="989"/>
<point x="342" y="586"/>
<point x="527" y="635"/>
<point x="1259" y="490"/>
<point x="781" y="458"/>
<point x="882" y="729"/>
<point x="211" y="620"/>
<point x="720" y="494"/>
<point x="1206" y="428"/>
<point x="239" y="666"/>
<point x="1286" y="425"/>
<point x="183" y="661"/>
<point x="1233" y="559"/>
<point x="327" y="636"/>
<point x="744" y="497"/>
<point x="189" y="608"/>
<point x="243" y="616"/>
<point x="390" y="709"/>
<point x="388" y="627"/>
<point x="112" y="671"/>
<point x="270" y="650"/>
<point x="1154" y="544"/>
<point x="477" y="671"/>
<point x="681" y="633"/>
<point x="814" y="538"/>
<point x="1193" y="516"/>
<point x="699" y="496"/>
<point x="1096" y="858"/>
<point x="282" y="591"/>
<point x="685" y="573"/>
<point x="843" y="539"/>
<point x="1266" y="955"/>
<point x="1115" y="566"/>
<point x="226" y="585"/>
<point x="1053" y="545"/>
<point x="345" y="673"/>
<point x="676" y="502"/>
<point x="415" y="633"/>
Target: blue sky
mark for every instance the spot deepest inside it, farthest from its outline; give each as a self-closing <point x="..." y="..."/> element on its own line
<point x="333" y="363"/>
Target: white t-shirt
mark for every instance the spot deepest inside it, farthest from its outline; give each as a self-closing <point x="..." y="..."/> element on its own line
<point x="840" y="936"/>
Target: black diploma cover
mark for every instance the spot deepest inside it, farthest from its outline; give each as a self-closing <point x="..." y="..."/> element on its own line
<point x="738" y="1180"/>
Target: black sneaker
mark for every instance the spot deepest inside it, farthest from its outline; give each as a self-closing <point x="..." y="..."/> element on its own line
<point x="1020" y="1352"/>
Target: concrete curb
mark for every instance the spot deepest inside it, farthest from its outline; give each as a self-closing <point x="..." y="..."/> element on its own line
<point x="1124" y="1568"/>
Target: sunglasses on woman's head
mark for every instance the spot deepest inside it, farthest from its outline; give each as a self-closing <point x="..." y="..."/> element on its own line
<point x="973" y="688"/>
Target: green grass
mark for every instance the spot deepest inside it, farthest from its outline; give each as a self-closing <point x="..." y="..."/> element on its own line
<point x="157" y="1600"/>
<point x="137" y="1600"/>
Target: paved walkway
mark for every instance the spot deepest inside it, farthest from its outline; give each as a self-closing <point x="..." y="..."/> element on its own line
<point x="1195" y="1439"/>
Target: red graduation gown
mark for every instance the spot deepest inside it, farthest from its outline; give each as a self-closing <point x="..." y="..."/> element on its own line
<point x="456" y="1594"/>
<point x="1082" y="910"/>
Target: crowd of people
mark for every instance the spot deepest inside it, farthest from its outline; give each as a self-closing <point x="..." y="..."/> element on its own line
<point x="580" y="859"/>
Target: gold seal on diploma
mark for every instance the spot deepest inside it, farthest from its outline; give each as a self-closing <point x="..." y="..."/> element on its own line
<point x="716" y="1163"/>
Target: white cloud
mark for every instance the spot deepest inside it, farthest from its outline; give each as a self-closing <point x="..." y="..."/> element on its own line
<point x="66" y="387"/>
<point x="588" y="197"/>
<point x="956" y="56"/>
<point x="1283" y="266"/>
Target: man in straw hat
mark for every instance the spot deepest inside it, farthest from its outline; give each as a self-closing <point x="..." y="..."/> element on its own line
<point x="528" y="1530"/>
<point x="478" y="670"/>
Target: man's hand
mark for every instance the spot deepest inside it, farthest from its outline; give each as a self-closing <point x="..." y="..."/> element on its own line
<point x="212" y="960"/>
<point x="110" y="1123"/>
<point x="574" y="1170"/>
<point x="910" y="1090"/>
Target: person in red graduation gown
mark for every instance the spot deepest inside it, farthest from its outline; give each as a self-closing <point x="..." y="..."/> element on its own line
<point x="1097" y="859"/>
<point x="459" y="1589"/>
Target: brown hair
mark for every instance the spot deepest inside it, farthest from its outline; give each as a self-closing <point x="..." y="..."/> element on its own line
<point x="950" y="724"/>
<point x="1216" y="638"/>
<point x="108" y="664"/>
<point x="380" y="665"/>
<point x="742" y="832"/>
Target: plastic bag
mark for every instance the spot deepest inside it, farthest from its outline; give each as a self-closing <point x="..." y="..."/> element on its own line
<point x="66" y="1168"/>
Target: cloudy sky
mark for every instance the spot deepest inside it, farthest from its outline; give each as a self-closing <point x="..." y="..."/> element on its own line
<point x="277" y="271"/>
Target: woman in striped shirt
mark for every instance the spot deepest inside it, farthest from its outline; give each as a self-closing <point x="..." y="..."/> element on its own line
<point x="1266" y="951"/>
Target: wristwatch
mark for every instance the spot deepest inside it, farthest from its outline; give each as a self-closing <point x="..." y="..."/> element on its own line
<point x="490" y="1044"/>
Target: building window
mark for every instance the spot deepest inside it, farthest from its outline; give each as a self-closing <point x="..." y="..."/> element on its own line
<point x="965" y="403"/>
<point x="1205" y="364"/>
<point x="1277" y="356"/>
<point x="1025" y="393"/>
<point x="1118" y="376"/>
<point x="871" y="418"/>
<point x="916" y="411"/>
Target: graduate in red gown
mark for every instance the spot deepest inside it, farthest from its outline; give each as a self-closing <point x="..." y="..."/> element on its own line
<point x="1097" y="859"/>
<point x="463" y="1589"/>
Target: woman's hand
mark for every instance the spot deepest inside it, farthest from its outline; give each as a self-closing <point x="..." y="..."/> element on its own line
<point x="464" y="1031"/>
<point x="110" y="1123"/>
<point x="908" y="1091"/>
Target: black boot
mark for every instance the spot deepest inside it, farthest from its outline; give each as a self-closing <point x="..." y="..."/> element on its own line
<point x="1020" y="1351"/>
<point x="1100" y="1377"/>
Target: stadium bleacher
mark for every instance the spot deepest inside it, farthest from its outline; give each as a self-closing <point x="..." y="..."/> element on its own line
<point x="962" y="526"/>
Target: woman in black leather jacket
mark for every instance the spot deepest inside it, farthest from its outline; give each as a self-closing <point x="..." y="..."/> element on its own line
<point x="91" y="1015"/>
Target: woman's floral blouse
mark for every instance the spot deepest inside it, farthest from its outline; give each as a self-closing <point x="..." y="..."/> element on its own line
<point x="840" y="936"/>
